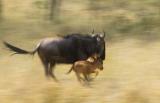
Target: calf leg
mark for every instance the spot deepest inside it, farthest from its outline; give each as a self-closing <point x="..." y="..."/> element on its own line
<point x="85" y="76"/>
<point x="78" y="77"/>
<point x="89" y="78"/>
<point x="96" y="73"/>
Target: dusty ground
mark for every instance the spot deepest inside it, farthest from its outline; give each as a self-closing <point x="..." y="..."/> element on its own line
<point x="131" y="75"/>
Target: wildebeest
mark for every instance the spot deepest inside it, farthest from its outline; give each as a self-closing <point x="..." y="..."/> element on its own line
<point x="66" y="49"/>
<point x="86" y="67"/>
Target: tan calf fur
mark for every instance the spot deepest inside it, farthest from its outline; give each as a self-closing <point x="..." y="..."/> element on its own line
<point x="86" y="67"/>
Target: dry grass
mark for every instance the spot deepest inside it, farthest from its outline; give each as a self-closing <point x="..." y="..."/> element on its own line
<point x="131" y="75"/>
<point x="131" y="70"/>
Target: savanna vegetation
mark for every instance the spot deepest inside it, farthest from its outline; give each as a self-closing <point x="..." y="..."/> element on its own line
<point x="131" y="70"/>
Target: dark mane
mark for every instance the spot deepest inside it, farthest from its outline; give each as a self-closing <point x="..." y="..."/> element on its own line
<point x="76" y="35"/>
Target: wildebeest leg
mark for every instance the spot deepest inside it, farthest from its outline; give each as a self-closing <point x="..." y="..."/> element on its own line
<point x="46" y="67"/>
<point x="51" y="71"/>
<point x="45" y="64"/>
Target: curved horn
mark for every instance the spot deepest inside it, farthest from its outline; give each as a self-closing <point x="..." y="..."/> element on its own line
<point x="104" y="33"/>
<point x="93" y="31"/>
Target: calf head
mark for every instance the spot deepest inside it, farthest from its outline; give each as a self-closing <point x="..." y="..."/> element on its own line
<point x="98" y="61"/>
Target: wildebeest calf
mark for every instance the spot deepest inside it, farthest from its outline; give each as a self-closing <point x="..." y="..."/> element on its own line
<point x="86" y="67"/>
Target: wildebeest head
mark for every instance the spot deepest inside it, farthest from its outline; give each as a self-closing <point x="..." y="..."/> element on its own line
<point x="100" y="38"/>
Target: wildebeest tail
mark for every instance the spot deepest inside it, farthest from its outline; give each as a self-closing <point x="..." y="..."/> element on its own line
<point x="70" y="70"/>
<point x="19" y="50"/>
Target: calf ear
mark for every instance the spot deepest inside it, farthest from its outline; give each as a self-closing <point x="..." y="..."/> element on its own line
<point x="95" y="56"/>
<point x="90" y="59"/>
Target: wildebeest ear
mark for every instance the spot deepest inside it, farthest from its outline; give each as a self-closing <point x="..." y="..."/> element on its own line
<point x="92" y="33"/>
<point x="103" y="35"/>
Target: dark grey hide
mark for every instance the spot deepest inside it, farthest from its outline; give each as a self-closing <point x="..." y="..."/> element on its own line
<point x="67" y="49"/>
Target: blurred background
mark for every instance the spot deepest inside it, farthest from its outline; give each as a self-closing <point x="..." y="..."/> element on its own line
<point x="131" y="69"/>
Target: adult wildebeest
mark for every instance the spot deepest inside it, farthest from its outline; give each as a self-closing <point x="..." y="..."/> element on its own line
<point x="66" y="49"/>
